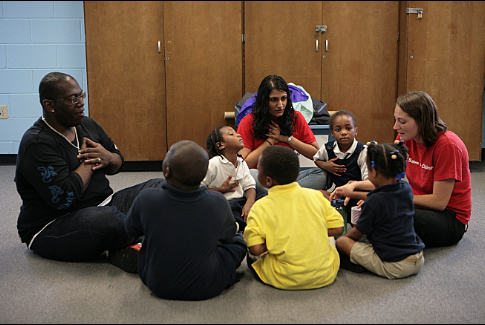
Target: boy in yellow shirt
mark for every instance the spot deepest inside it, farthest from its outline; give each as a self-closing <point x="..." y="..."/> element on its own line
<point x="290" y="228"/>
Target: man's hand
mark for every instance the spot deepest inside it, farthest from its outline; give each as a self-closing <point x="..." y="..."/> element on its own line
<point x="93" y="153"/>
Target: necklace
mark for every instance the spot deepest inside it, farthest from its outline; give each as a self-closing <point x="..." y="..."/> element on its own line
<point x="62" y="135"/>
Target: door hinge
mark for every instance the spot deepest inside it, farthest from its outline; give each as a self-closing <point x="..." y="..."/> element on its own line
<point x="418" y="11"/>
<point x="242" y="38"/>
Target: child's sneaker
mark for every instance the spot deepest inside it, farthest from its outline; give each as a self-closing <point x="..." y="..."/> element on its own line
<point x="126" y="259"/>
<point x="250" y="259"/>
<point x="346" y="264"/>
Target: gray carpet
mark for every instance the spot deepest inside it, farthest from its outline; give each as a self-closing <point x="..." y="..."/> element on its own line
<point x="449" y="289"/>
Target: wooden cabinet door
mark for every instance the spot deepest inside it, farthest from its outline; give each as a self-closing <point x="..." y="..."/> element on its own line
<point x="443" y="54"/>
<point x="203" y="62"/>
<point x="280" y="38"/>
<point x="126" y="75"/>
<point x="358" y="73"/>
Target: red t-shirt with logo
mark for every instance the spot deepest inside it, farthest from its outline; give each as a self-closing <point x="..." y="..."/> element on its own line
<point x="301" y="131"/>
<point x="447" y="158"/>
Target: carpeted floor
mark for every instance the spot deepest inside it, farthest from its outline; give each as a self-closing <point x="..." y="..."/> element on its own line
<point x="449" y="289"/>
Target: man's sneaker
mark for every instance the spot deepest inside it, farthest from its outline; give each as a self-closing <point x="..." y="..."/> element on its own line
<point x="126" y="259"/>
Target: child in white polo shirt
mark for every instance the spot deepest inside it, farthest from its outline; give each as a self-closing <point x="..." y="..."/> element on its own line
<point x="229" y="174"/>
<point x="344" y="158"/>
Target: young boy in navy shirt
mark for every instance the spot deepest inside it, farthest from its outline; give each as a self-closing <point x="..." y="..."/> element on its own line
<point x="191" y="250"/>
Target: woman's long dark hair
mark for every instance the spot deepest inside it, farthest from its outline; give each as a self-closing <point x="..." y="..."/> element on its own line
<point x="261" y="114"/>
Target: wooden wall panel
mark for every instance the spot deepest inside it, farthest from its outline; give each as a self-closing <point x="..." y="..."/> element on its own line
<point x="365" y="70"/>
<point x="281" y="39"/>
<point x="359" y="71"/>
<point x="447" y="47"/>
<point x="126" y="75"/>
<point x="203" y="51"/>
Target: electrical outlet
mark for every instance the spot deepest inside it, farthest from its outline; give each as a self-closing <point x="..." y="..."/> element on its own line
<point x="3" y="111"/>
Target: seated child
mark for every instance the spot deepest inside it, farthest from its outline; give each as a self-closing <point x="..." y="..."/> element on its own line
<point x="229" y="174"/>
<point x="191" y="249"/>
<point x="290" y="228"/>
<point x="394" y="249"/>
<point x="344" y="158"/>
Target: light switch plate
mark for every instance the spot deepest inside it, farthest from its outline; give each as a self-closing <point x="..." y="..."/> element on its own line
<point x="3" y="111"/>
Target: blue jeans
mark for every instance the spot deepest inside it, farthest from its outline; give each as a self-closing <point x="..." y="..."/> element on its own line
<point x="315" y="178"/>
<point x="85" y="234"/>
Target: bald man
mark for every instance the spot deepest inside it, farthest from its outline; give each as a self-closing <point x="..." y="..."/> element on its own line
<point x="191" y="249"/>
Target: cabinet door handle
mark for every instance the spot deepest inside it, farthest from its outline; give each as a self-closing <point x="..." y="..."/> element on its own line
<point x="316" y="50"/>
<point x="158" y="46"/>
<point x="326" y="45"/>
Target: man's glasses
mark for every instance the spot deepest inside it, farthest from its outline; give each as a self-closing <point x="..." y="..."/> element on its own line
<point x="74" y="100"/>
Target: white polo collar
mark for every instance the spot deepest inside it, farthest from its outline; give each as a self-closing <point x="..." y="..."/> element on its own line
<point x="348" y="153"/>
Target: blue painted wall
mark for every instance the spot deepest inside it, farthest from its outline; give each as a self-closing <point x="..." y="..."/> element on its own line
<point x="36" y="37"/>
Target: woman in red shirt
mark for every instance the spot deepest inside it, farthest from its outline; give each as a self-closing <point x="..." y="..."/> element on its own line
<point x="273" y="121"/>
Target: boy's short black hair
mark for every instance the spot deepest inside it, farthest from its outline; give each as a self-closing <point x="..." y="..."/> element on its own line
<point x="188" y="162"/>
<point x="281" y="164"/>
<point x="339" y="113"/>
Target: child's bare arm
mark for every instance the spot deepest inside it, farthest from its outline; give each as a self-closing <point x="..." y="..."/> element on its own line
<point x="354" y="234"/>
<point x="325" y="194"/>
<point x="257" y="250"/>
<point x="320" y="163"/>
<point x="250" y="198"/>
<point x="352" y="190"/>
<point x="335" y="231"/>
<point x="345" y="243"/>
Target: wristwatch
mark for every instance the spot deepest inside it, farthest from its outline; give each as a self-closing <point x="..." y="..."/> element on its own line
<point x="289" y="139"/>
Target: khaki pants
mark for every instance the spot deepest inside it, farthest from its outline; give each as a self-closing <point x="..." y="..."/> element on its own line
<point x="364" y="254"/>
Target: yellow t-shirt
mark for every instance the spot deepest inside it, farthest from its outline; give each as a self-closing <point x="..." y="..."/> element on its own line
<point x="293" y="222"/>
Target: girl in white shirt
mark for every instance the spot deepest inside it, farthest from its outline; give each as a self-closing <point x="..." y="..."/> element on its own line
<point x="229" y="174"/>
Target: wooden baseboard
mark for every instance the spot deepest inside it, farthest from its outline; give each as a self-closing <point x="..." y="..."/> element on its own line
<point x="142" y="166"/>
<point x="6" y="160"/>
